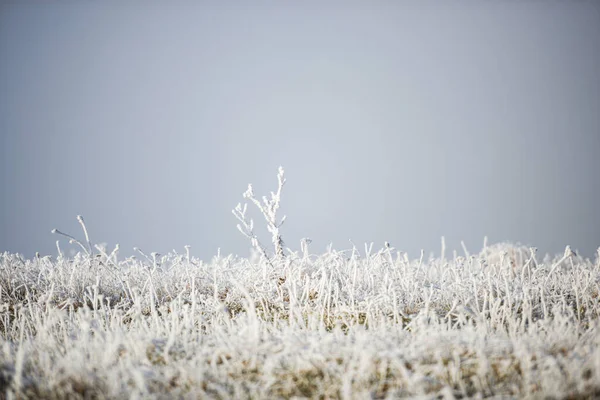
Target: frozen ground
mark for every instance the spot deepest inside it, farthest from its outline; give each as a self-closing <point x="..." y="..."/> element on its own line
<point x="338" y="325"/>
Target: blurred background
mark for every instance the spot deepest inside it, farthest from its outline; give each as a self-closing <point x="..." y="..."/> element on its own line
<point x="395" y="121"/>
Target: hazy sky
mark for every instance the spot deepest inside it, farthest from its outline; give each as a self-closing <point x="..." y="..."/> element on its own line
<point x="395" y="121"/>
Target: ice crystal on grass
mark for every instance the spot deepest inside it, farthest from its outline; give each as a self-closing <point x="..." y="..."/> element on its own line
<point x="499" y="323"/>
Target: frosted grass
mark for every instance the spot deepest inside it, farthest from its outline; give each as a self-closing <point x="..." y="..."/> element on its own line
<point x="285" y="324"/>
<point x="338" y="325"/>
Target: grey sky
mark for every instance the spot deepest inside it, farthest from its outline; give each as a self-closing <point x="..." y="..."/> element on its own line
<point x="395" y="121"/>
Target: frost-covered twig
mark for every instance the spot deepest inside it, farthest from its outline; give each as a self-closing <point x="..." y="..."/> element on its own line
<point x="85" y="232"/>
<point x="268" y="208"/>
<point x="87" y="250"/>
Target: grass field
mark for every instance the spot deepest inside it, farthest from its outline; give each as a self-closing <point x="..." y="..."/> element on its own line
<point x="283" y="324"/>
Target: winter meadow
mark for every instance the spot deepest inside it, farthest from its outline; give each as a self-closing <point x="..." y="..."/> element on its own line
<point x="358" y="323"/>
